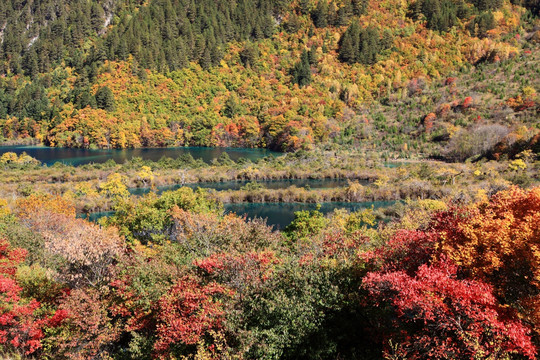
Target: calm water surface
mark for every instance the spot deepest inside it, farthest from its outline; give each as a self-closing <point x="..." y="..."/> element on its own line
<point x="70" y="156"/>
<point x="279" y="215"/>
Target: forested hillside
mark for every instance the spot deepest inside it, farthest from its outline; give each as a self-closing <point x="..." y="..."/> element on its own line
<point x="398" y="76"/>
<point x="162" y="35"/>
<point x="402" y="223"/>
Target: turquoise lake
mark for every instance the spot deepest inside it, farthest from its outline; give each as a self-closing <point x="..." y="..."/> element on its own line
<point x="279" y="215"/>
<point x="70" y="156"/>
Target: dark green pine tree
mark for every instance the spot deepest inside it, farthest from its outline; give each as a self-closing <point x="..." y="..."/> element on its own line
<point x="532" y="5"/>
<point x="85" y="98"/>
<point x="206" y="59"/>
<point x="105" y="98"/>
<point x="332" y="16"/>
<point x="359" y="7"/>
<point x="3" y="9"/>
<point x="320" y="14"/>
<point x="349" y="44"/>
<point x="369" y="46"/>
<point x="301" y="72"/>
<point x="30" y="63"/>
<point x="387" y="39"/>
<point x="483" y="5"/>
<point x="122" y="50"/>
<point x="232" y="107"/>
<point x="448" y="15"/>
<point x="81" y="96"/>
<point x="97" y="17"/>
<point x="165" y="35"/>
<point x="347" y="51"/>
<point x="293" y="24"/>
<point x="431" y="10"/>
<point x="312" y="55"/>
<point x="362" y="45"/>
<point x="249" y="55"/>
<point x="267" y="26"/>
<point x="257" y="32"/>
<point x="92" y="71"/>
<point x="440" y="15"/>
<point x="343" y="15"/>
<point x="482" y="23"/>
<point x="324" y="48"/>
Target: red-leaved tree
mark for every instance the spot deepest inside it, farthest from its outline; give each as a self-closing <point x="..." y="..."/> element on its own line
<point x="186" y="313"/>
<point x="436" y="315"/>
<point x="22" y="320"/>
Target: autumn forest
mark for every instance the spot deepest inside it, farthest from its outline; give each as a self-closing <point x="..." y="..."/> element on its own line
<point x="270" y="179"/>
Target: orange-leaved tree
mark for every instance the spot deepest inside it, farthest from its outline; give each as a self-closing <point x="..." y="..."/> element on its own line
<point x="498" y="241"/>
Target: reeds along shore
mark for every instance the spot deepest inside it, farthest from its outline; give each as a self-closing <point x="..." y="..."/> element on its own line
<point x="96" y="187"/>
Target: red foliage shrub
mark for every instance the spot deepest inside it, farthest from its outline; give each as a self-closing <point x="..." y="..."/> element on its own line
<point x="241" y="270"/>
<point x="444" y="109"/>
<point x="497" y="242"/>
<point x="21" y="320"/>
<point x="467" y="102"/>
<point x="449" y="81"/>
<point x="406" y="251"/>
<point x="428" y="121"/>
<point x="415" y="86"/>
<point x="19" y="325"/>
<point x="520" y="104"/>
<point x="468" y="285"/>
<point x="186" y="313"/>
<point x="10" y="258"/>
<point x="438" y="316"/>
<point x="342" y="246"/>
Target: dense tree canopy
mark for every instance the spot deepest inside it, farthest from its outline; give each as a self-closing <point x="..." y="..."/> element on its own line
<point x="186" y="280"/>
<point x="117" y="74"/>
<point x="162" y="34"/>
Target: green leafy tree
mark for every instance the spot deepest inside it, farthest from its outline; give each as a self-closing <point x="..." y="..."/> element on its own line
<point x="306" y="223"/>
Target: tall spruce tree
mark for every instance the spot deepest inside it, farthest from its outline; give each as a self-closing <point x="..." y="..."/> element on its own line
<point x="105" y="98"/>
<point x="301" y="72"/>
<point x="320" y="14"/>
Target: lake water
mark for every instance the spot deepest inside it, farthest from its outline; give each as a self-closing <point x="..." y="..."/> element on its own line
<point x="95" y="216"/>
<point x="394" y="164"/>
<point x="70" y="156"/>
<point x="279" y="215"/>
<point x="270" y="184"/>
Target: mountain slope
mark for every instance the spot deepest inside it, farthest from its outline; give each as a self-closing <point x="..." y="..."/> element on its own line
<point x="356" y="73"/>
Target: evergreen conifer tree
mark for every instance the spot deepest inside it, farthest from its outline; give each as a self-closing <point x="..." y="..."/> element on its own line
<point x="105" y="98"/>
